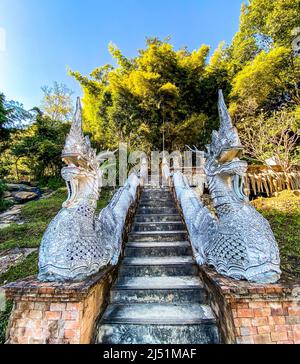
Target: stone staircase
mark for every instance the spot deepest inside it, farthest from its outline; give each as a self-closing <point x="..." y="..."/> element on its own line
<point x="158" y="297"/>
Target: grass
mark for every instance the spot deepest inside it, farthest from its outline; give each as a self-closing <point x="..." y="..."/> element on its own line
<point x="283" y="213"/>
<point x="4" y="317"/>
<point x="37" y="215"/>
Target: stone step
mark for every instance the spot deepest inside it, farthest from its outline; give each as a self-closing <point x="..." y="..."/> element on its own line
<point x="179" y="235"/>
<point x="158" y="324"/>
<point x="150" y="198"/>
<point x="157" y="210"/>
<point x="156" y="196"/>
<point x="158" y="266"/>
<point x="151" y="189"/>
<point x="158" y="297"/>
<point x="157" y="218"/>
<point x="156" y="204"/>
<point x="187" y="289"/>
<point x="159" y="226"/>
<point x="158" y="314"/>
<point x="158" y="249"/>
<point x="184" y="295"/>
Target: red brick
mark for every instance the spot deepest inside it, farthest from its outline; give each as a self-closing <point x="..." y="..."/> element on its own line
<point x="242" y="305"/>
<point x="269" y="290"/>
<point x="248" y="331"/>
<point x="260" y="321"/>
<point x="70" y="315"/>
<point x="282" y="328"/>
<point x="277" y="320"/>
<point x="262" y="312"/>
<point x="245" y="312"/>
<point x="72" y="325"/>
<point x="264" y="329"/>
<point x="242" y="321"/>
<point x="285" y="342"/>
<point x="245" y="340"/>
<point x="288" y="304"/>
<point x="277" y="312"/>
<point x="34" y="314"/>
<point x="294" y="311"/>
<point x="47" y="290"/>
<point x="53" y="315"/>
<point x="292" y="320"/>
<point x="275" y="305"/>
<point x="258" y="304"/>
<point x="297" y="335"/>
<point x="279" y="336"/>
<point x="260" y="290"/>
<point x="72" y="336"/>
<point x="74" y="306"/>
<point x="290" y="335"/>
<point x="262" y="339"/>
<point x="57" y="307"/>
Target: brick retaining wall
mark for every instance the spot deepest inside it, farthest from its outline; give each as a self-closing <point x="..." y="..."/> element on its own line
<point x="250" y="313"/>
<point x="57" y="313"/>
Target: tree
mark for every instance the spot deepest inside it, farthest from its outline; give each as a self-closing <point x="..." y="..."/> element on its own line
<point x="147" y="96"/>
<point x="4" y="120"/>
<point x="268" y="81"/>
<point x="275" y="137"/>
<point x="57" y="102"/>
<point x="39" y="148"/>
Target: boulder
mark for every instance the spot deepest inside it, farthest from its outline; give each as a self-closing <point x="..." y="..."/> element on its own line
<point x="24" y="196"/>
<point x="19" y="187"/>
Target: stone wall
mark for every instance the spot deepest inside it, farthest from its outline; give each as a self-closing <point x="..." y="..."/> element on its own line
<point x="250" y="313"/>
<point x="57" y="313"/>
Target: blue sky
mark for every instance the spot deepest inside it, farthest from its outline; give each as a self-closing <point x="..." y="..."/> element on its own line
<point x="44" y="37"/>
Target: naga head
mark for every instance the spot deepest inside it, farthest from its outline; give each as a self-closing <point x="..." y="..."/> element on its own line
<point x="224" y="151"/>
<point x="83" y="171"/>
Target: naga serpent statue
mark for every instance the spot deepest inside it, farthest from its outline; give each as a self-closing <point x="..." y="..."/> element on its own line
<point x="77" y="243"/>
<point x="237" y="241"/>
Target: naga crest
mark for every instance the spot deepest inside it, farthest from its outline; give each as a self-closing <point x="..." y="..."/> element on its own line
<point x="223" y="154"/>
<point x="226" y="144"/>
<point x="83" y="171"/>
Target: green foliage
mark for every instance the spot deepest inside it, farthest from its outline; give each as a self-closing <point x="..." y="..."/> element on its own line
<point x="159" y="90"/>
<point x="3" y="204"/>
<point x="4" y="122"/>
<point x="267" y="81"/>
<point x="4" y="317"/>
<point x="57" y="102"/>
<point x="283" y="214"/>
<point x="37" y="151"/>
<point x="37" y="215"/>
<point x="27" y="268"/>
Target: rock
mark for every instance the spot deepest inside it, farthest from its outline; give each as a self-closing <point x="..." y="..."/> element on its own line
<point x="10" y="216"/>
<point x="2" y="299"/>
<point x="13" y="187"/>
<point x="19" y="187"/>
<point x="7" y="194"/>
<point x="23" y="197"/>
<point x="12" y="257"/>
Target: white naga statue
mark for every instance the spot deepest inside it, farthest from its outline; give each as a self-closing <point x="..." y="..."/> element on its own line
<point x="237" y="241"/>
<point x="78" y="243"/>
